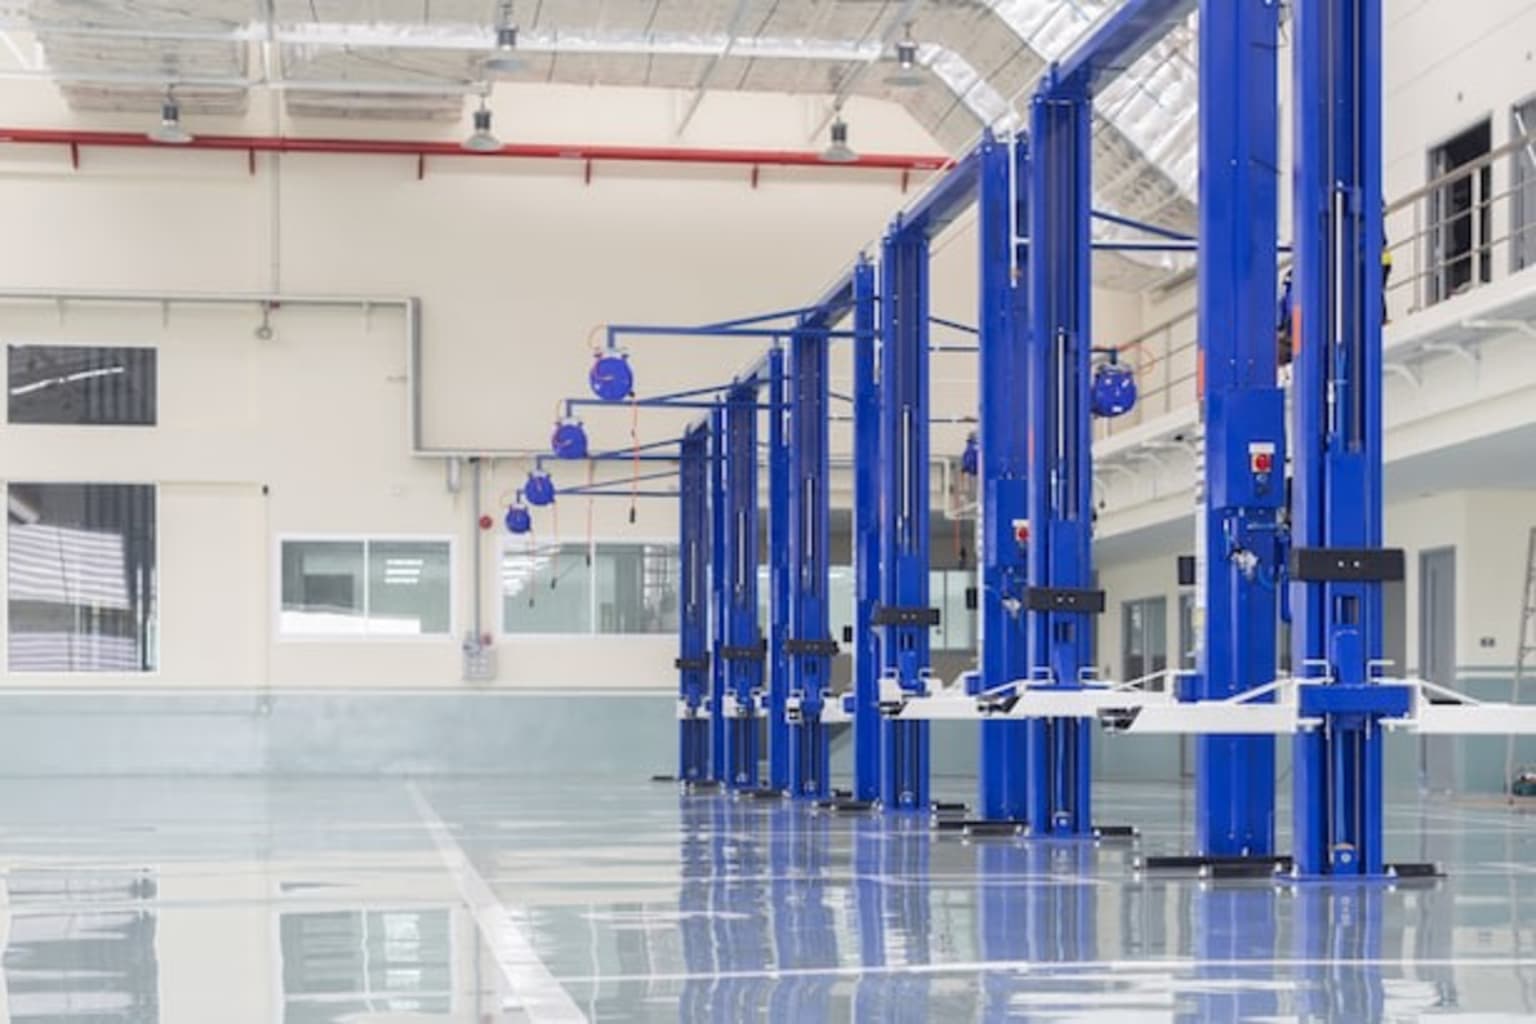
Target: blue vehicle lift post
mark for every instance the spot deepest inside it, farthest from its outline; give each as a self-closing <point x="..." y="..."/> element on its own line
<point x="809" y="647"/>
<point x="744" y="650"/>
<point x="904" y="613"/>
<point x="1004" y="465"/>
<point x="1239" y="548"/>
<point x="1338" y="563"/>
<point x="717" y="591"/>
<point x="693" y="607"/>
<point x="866" y="537"/>
<point x="1061" y="600"/>
<point x="779" y="683"/>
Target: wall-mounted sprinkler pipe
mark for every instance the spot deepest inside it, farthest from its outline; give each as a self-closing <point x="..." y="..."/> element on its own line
<point x="779" y="574"/>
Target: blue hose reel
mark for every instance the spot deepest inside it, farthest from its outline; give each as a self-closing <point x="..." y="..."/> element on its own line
<point x="569" y="440"/>
<point x="1112" y="391"/>
<point x="539" y="490"/>
<point x="970" y="459"/>
<point x="611" y="377"/>
<point x="519" y="519"/>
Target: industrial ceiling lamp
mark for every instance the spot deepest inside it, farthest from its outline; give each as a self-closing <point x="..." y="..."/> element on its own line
<point x="907" y="74"/>
<point x="839" y="152"/>
<point x="482" y="139"/>
<point x="169" y="131"/>
<point x="505" y="60"/>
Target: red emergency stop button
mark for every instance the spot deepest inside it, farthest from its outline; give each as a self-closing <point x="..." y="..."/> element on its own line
<point x="1263" y="462"/>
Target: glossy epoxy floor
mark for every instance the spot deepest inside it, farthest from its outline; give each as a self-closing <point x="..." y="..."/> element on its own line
<point x="485" y="901"/>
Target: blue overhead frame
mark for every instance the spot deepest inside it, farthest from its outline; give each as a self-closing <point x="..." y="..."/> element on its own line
<point x="1240" y="550"/>
<point x="809" y="646"/>
<point x="744" y="650"/>
<point x="779" y="575"/>
<point x="717" y="591"/>
<point x="1059" y="600"/>
<point x="866" y="538"/>
<point x="1114" y="44"/>
<point x="1004" y="466"/>
<point x="904" y="612"/>
<point x="693" y="607"/>
<point x="1337" y="489"/>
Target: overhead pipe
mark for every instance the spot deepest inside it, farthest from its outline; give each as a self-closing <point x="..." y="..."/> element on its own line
<point x="517" y="151"/>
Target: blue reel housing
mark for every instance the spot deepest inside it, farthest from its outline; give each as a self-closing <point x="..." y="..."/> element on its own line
<point x="518" y="519"/>
<point x="569" y="440"/>
<point x="611" y="377"/>
<point x="1112" y="391"/>
<point x="539" y="490"/>
<point x="970" y="459"/>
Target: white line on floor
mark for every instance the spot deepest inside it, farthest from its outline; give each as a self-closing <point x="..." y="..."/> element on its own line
<point x="540" y="997"/>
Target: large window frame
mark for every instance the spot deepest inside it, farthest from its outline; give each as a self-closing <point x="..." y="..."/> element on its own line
<point x="152" y="401"/>
<point x="364" y="636"/>
<point x="519" y="545"/>
<point x="155" y="640"/>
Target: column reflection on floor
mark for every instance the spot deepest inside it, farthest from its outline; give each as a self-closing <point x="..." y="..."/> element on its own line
<point x="804" y="931"/>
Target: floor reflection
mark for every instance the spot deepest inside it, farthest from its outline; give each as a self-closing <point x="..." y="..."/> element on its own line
<point x="155" y="902"/>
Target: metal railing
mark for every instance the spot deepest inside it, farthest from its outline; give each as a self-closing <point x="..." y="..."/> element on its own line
<point x="1471" y="226"/>
<point x="1455" y="233"/>
<point x="1167" y="363"/>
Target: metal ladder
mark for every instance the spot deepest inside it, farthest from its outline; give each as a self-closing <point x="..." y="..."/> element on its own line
<point x="1525" y="654"/>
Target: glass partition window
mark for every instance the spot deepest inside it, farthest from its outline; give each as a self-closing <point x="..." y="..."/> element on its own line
<point x="82" y="385"/>
<point x="366" y="587"/>
<point x="1144" y="637"/>
<point x="840" y="601"/>
<point x="81" y="578"/>
<point x="619" y="588"/>
<point x="956" y="630"/>
<point x="361" y="964"/>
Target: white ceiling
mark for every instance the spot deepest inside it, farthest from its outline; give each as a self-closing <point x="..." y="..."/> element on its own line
<point x="413" y="60"/>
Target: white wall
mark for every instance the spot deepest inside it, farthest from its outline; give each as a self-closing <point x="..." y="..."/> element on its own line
<point x="515" y="263"/>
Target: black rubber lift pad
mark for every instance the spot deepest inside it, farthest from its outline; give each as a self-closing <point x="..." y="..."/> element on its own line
<point x="1218" y="867"/>
<point x="847" y="806"/>
<point x="994" y="829"/>
<point x="764" y="793"/>
<point x="663" y="778"/>
<point x="1115" y="832"/>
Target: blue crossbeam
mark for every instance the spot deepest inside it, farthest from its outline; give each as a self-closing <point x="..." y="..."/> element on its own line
<point x="1115" y="43"/>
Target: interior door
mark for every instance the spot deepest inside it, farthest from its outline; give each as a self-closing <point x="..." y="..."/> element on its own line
<point x="1437" y="659"/>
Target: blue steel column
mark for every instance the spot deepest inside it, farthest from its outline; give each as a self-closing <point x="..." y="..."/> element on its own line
<point x="1004" y="468"/>
<point x="1244" y="484"/>
<point x="743" y="651"/>
<point x="866" y="538"/>
<point x="1057" y="782"/>
<point x="1337" y="500"/>
<point x="904" y="508"/>
<point x="779" y="573"/>
<point x="717" y="586"/>
<point x="693" y="605"/>
<point x="809" y="535"/>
